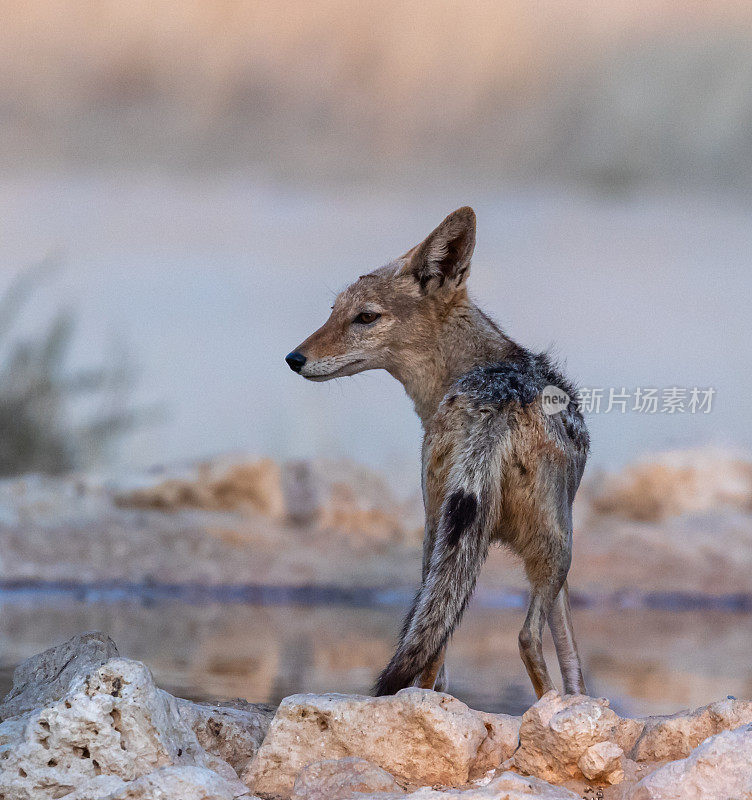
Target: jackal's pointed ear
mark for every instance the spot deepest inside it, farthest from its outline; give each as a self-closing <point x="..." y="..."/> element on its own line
<point x="443" y="257"/>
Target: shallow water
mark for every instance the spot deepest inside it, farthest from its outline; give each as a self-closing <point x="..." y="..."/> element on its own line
<point x="644" y="660"/>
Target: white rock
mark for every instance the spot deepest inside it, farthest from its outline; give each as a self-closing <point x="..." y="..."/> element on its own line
<point x="503" y="733"/>
<point x="557" y="731"/>
<point x="338" y="779"/>
<point x="167" y="783"/>
<point x="672" y="737"/>
<point x="234" y="733"/>
<point x="507" y="786"/>
<point x="719" y="769"/>
<point x="113" y="721"/>
<point x="418" y="736"/>
<point x="97" y="788"/>
<point x="47" y="676"/>
<point x="602" y="762"/>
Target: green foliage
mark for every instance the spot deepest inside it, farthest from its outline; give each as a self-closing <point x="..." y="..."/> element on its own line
<point x="37" y="393"/>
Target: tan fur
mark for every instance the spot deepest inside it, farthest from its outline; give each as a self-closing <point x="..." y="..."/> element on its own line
<point x="495" y="467"/>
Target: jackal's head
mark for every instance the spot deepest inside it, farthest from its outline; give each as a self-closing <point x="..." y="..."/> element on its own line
<point x="389" y="315"/>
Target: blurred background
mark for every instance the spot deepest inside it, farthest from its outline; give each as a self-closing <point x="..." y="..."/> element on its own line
<point x="185" y="186"/>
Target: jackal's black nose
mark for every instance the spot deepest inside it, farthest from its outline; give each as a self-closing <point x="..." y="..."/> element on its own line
<point x="295" y="360"/>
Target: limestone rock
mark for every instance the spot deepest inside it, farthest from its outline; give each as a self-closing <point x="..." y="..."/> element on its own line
<point x="719" y="769"/>
<point x="47" y="676"/>
<point x="602" y="762"/>
<point x="419" y="736"/>
<point x="503" y="733"/>
<point x="112" y="721"/>
<point x="507" y="786"/>
<point x="180" y="783"/>
<point x="669" y="738"/>
<point x="232" y="733"/>
<point x="557" y="731"/>
<point x="100" y="787"/>
<point x="85" y="724"/>
<point x="337" y="779"/>
<point x="167" y="783"/>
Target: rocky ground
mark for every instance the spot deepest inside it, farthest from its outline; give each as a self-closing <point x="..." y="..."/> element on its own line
<point x="680" y="523"/>
<point x="82" y="723"/>
<point x="688" y="515"/>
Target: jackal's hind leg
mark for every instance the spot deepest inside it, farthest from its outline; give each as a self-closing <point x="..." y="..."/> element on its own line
<point x="560" y="622"/>
<point x="441" y="684"/>
<point x="434" y="675"/>
<point x="531" y="641"/>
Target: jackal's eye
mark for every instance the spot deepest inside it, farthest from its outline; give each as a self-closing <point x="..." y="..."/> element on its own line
<point x="366" y="317"/>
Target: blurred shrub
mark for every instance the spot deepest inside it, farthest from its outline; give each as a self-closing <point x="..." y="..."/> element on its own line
<point x="37" y="433"/>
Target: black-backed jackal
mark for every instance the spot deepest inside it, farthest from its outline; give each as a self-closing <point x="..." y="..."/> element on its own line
<point x="496" y="466"/>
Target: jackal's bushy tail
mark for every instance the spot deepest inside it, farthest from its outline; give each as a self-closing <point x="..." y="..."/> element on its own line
<point x="462" y="542"/>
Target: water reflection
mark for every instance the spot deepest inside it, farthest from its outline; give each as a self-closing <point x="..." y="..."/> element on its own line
<point x="646" y="661"/>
